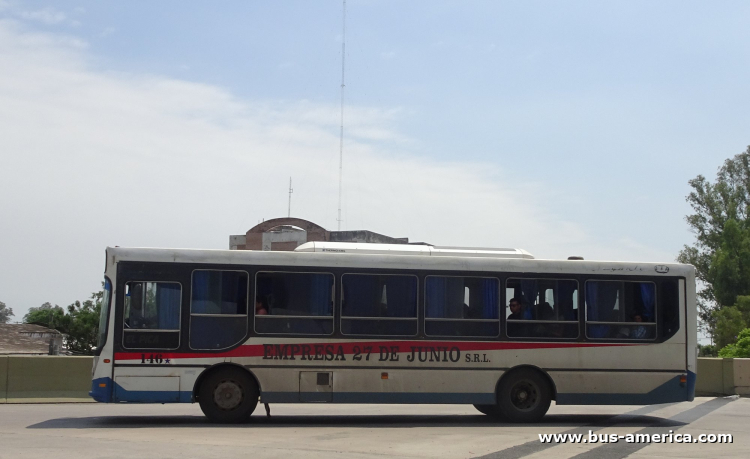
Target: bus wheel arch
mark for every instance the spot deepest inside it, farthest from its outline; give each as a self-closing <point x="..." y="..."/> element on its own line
<point x="524" y="393"/>
<point x="227" y="393"/>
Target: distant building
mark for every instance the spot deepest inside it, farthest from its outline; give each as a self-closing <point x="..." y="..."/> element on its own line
<point x="29" y="339"/>
<point x="288" y="233"/>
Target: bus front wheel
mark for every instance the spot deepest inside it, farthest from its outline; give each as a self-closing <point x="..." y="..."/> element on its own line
<point x="228" y="396"/>
<point x="524" y="396"/>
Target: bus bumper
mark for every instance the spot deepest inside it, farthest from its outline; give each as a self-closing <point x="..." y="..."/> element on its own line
<point x="691" y="378"/>
<point x="101" y="390"/>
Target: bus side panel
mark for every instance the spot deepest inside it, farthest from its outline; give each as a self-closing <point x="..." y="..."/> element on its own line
<point x="402" y="385"/>
<point x="152" y="384"/>
<point x="607" y="388"/>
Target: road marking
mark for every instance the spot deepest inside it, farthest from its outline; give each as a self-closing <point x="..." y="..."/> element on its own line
<point x="620" y="450"/>
<point x="536" y="446"/>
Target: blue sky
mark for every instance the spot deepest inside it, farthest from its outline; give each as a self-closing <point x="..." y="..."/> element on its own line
<point x="558" y="127"/>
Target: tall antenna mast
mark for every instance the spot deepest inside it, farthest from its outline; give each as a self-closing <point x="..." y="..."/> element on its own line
<point x="289" y="211"/>
<point x="341" y="139"/>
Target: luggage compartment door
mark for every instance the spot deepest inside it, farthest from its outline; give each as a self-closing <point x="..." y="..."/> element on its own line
<point x="315" y="386"/>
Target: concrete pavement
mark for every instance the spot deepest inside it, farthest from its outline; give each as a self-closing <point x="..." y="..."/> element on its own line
<point x="83" y="431"/>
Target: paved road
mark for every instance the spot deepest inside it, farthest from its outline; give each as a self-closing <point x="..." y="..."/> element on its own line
<point x="82" y="431"/>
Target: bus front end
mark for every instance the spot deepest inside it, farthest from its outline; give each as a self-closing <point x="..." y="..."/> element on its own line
<point x="101" y="373"/>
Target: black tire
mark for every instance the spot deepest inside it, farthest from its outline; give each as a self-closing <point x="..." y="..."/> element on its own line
<point x="489" y="410"/>
<point x="228" y="396"/>
<point x="524" y="396"/>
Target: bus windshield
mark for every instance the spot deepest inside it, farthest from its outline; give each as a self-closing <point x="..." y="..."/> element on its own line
<point x="104" y="314"/>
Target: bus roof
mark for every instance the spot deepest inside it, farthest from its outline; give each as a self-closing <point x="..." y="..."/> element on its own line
<point x="411" y="249"/>
<point x="362" y="259"/>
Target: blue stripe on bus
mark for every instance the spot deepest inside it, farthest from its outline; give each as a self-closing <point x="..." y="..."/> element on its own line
<point x="152" y="396"/>
<point x="669" y="392"/>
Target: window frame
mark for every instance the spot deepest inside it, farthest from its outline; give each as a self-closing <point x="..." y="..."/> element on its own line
<point x="190" y="310"/>
<point x="342" y="317"/>
<point x="654" y="324"/>
<point x="273" y="316"/>
<point x="125" y="329"/>
<point x="506" y="307"/>
<point x="446" y="319"/>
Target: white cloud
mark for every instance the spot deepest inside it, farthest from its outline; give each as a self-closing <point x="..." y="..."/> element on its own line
<point x="388" y="55"/>
<point x="91" y="159"/>
<point x="46" y="15"/>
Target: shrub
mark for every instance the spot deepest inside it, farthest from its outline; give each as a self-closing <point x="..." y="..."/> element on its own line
<point x="740" y="349"/>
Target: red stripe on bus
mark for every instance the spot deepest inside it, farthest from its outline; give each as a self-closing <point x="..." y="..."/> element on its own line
<point x="257" y="350"/>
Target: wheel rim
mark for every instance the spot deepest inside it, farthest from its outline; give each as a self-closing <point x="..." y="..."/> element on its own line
<point x="524" y="395"/>
<point x="228" y="395"/>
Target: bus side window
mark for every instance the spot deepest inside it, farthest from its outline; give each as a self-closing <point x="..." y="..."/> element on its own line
<point x="375" y="304"/>
<point x="294" y="303"/>
<point x="152" y="315"/>
<point x="462" y="306"/>
<point x="669" y="308"/>
<point x="218" y="309"/>
<point x="152" y="305"/>
<point x="622" y="310"/>
<point x="541" y="308"/>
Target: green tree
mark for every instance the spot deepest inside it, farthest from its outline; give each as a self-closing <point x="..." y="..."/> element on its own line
<point x="79" y="322"/>
<point x="731" y="320"/>
<point x="46" y="315"/>
<point x="729" y="269"/>
<point x="83" y="328"/>
<point x="741" y="349"/>
<point x="721" y="252"/>
<point x="729" y="324"/>
<point x="709" y="350"/>
<point x="5" y="313"/>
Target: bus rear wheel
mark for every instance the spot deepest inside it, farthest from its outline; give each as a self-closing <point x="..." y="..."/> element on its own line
<point x="524" y="396"/>
<point x="228" y="396"/>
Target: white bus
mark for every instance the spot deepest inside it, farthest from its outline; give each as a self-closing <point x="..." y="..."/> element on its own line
<point x="375" y="323"/>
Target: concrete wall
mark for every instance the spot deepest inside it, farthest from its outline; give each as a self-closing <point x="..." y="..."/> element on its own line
<point x="30" y="379"/>
<point x="717" y="376"/>
<point x="3" y="378"/>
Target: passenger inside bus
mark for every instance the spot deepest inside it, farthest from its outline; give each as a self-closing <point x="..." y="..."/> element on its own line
<point x="639" y="331"/>
<point x="518" y="311"/>
<point x="260" y="309"/>
<point x="547" y="308"/>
